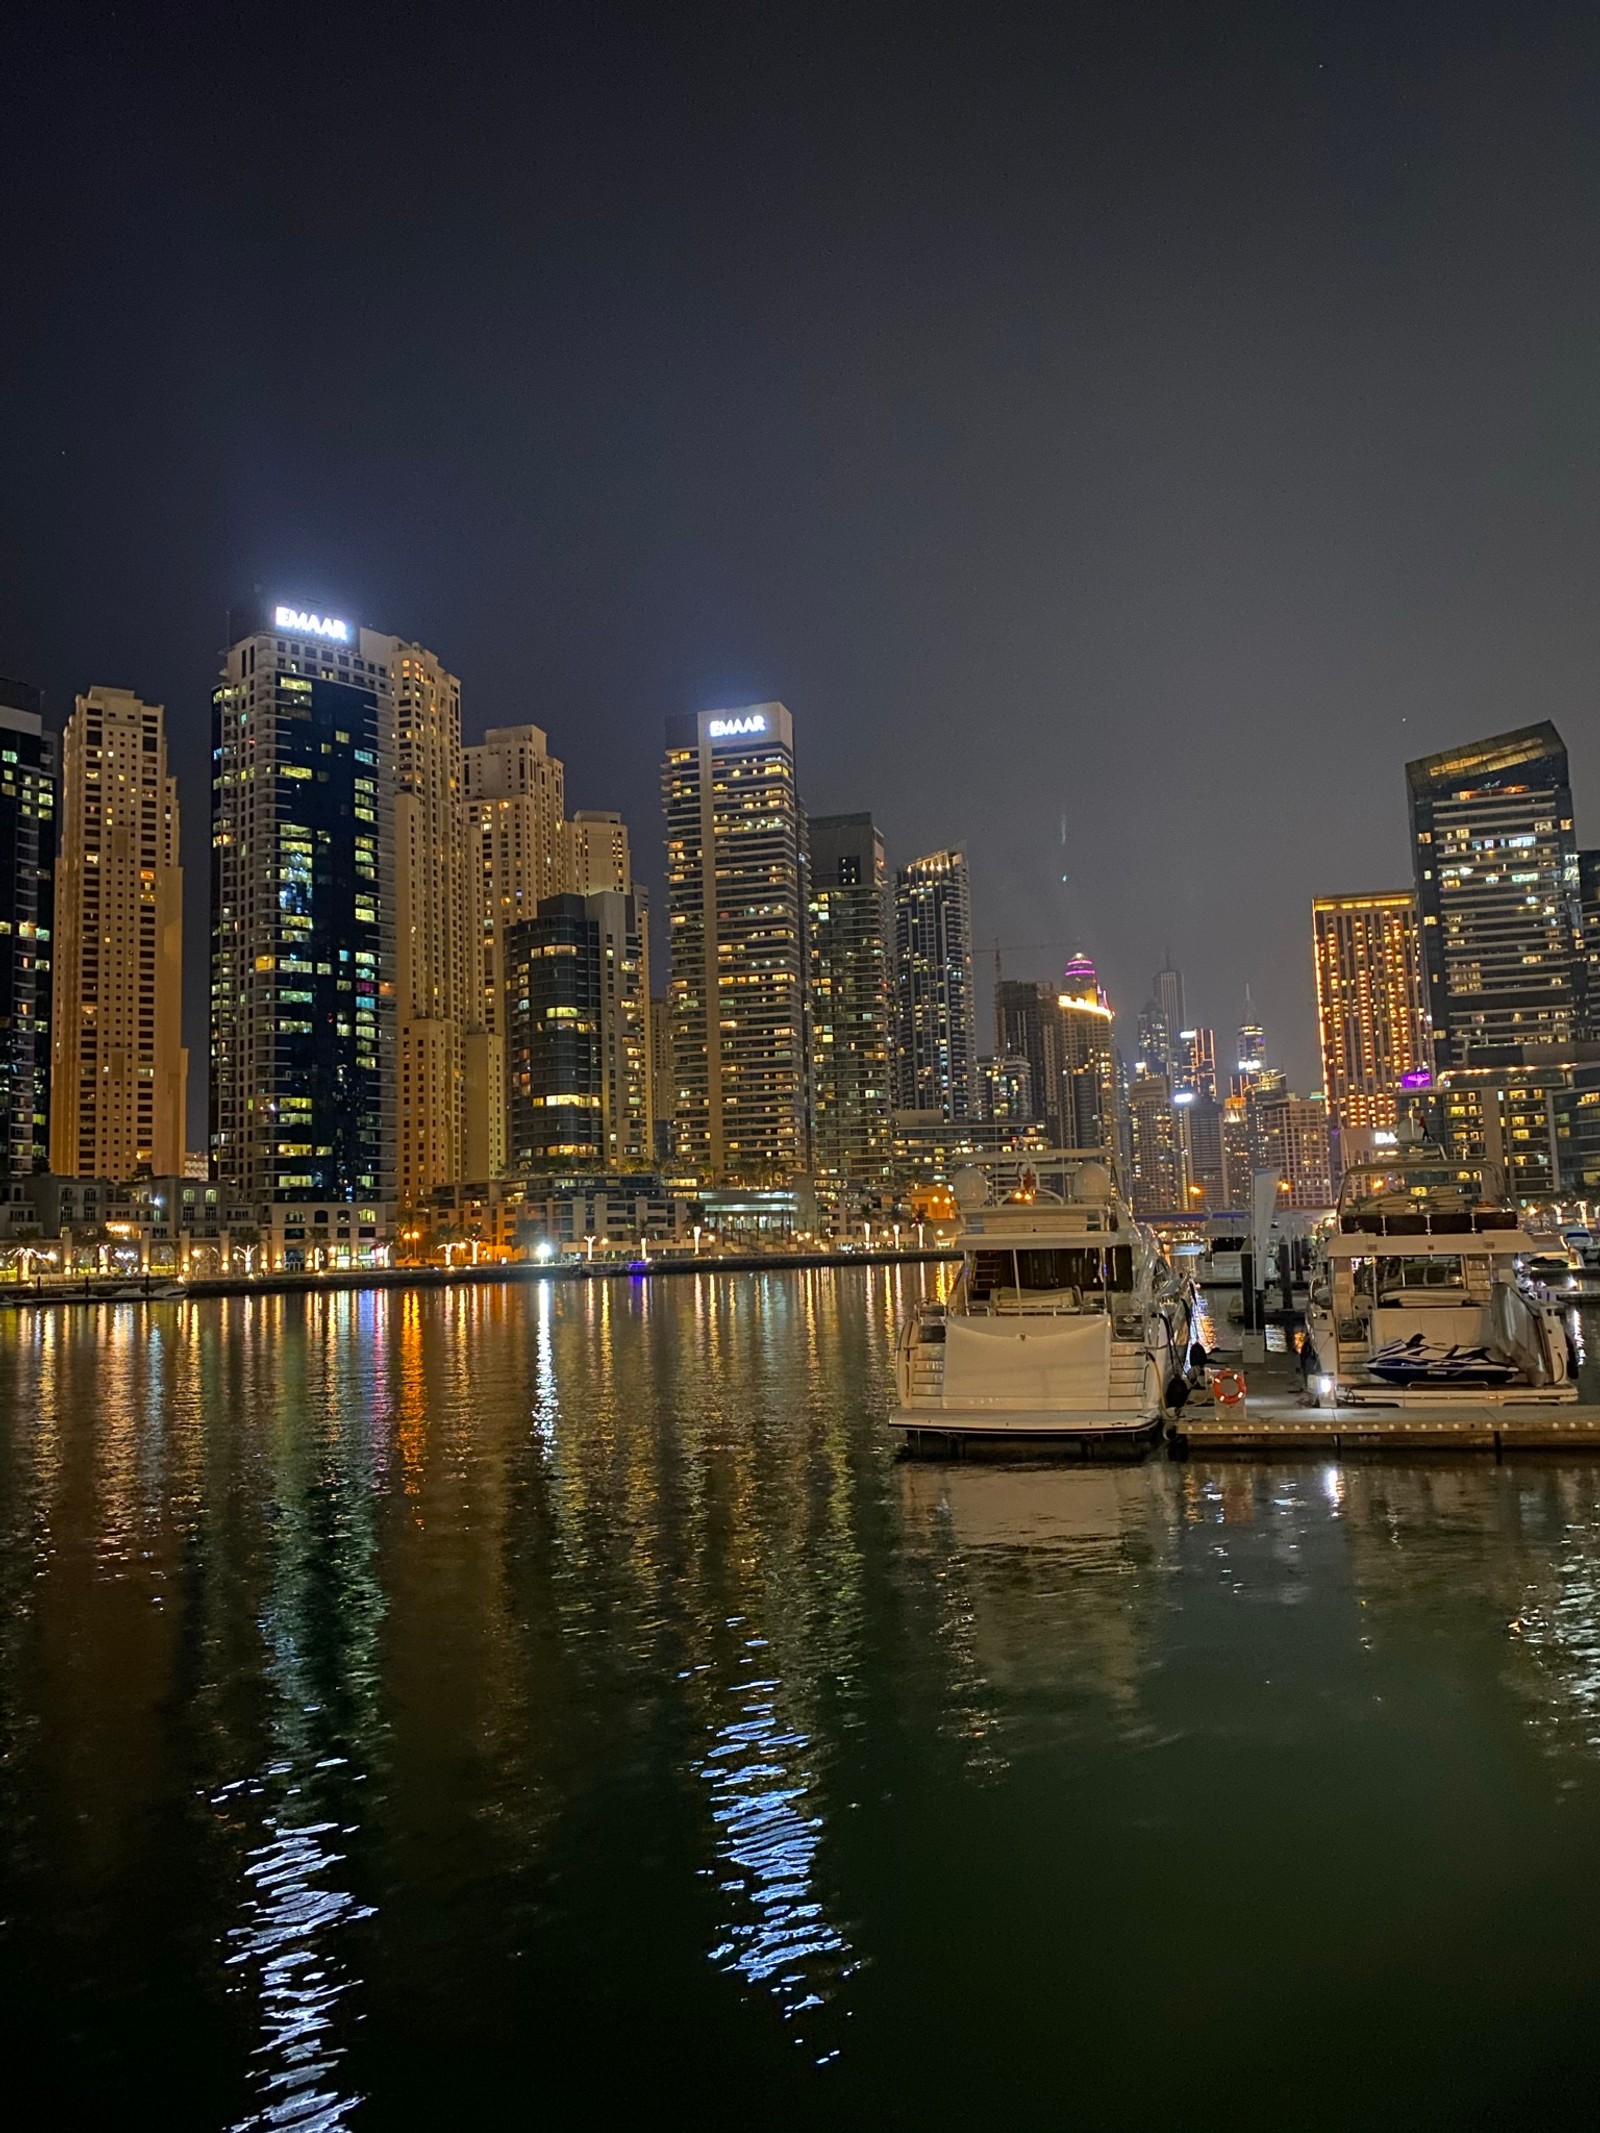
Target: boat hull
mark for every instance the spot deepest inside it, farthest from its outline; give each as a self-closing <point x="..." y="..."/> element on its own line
<point x="946" y="1430"/>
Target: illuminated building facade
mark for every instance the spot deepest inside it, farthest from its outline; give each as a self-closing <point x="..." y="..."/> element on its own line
<point x="516" y="794"/>
<point x="1086" y="1060"/>
<point x="577" y="1036"/>
<point x="434" y="937"/>
<point x="936" y="1043"/>
<point x="119" y="1071"/>
<point x="302" y="912"/>
<point x="1291" y="1138"/>
<point x="1158" y="1183"/>
<point x="1027" y="1027"/>
<point x="848" y="942"/>
<point x="1498" y="890"/>
<point x="27" y="914"/>
<point x="1505" y="970"/>
<point x="595" y="853"/>
<point x="1004" y="1090"/>
<point x="1250" y="1049"/>
<point x="1367" y="954"/>
<point x="735" y="863"/>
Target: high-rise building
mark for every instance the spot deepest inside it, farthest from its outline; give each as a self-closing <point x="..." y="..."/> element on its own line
<point x="1369" y="1003"/>
<point x="436" y="998"/>
<point x="663" y="1098"/>
<point x="1498" y="889"/>
<point x="1158" y="1182"/>
<point x="1086" y="1060"/>
<point x="1155" y="1044"/>
<point x="119" y="1070"/>
<point x="1197" y="1061"/>
<point x="1004" y="1087"/>
<point x="595" y="853"/>
<point x="735" y="904"/>
<point x="302" y="911"/>
<point x="936" y="1040"/>
<point x="1200" y="1138"/>
<point x="848" y="941"/>
<point x="27" y="915"/>
<point x="577" y="1036"/>
<point x="1027" y="1026"/>
<point x="516" y="859"/>
<point x="1251" y="1049"/>
<point x="1168" y="989"/>
<point x="1291" y="1138"/>
<point x="1589" y="908"/>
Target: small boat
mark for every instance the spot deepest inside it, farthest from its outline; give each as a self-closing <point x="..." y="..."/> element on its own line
<point x="1223" y="1244"/>
<point x="1419" y="1361"/>
<point x="1420" y="1295"/>
<point x="1065" y="1327"/>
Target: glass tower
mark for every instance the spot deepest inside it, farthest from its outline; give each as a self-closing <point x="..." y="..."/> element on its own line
<point x="303" y="953"/>
<point x="735" y="909"/>
<point x="936" y="1043"/>
<point x="848" y="922"/>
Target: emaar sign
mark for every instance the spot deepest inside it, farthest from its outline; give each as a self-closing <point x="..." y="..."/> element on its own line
<point x="296" y="618"/>
<point x="727" y="729"/>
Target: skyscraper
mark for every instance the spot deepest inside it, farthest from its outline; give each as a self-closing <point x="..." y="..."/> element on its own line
<point x="119" y="1071"/>
<point x="848" y="938"/>
<point x="1158" y="1182"/>
<point x="1028" y="1026"/>
<point x="1369" y="1003"/>
<point x="1086" y="1059"/>
<point x="27" y="892"/>
<point x="1168" y="989"/>
<point x="434" y="936"/>
<point x="1251" y="1050"/>
<point x="935" y="1029"/>
<point x="515" y="859"/>
<point x="577" y="1036"/>
<point x="735" y="860"/>
<point x="595" y="853"/>
<point x="302" y="905"/>
<point x="1498" y="888"/>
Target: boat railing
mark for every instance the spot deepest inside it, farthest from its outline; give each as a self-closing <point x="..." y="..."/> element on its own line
<point x="1369" y="1221"/>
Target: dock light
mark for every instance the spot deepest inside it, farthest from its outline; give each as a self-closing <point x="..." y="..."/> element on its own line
<point x="544" y="1251"/>
<point x="1324" y="1388"/>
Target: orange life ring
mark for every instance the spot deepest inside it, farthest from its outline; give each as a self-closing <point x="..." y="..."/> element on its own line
<point x="1228" y="1387"/>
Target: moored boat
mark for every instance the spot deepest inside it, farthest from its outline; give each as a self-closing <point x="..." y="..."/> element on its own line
<point x="1065" y="1326"/>
<point x="1419" y="1298"/>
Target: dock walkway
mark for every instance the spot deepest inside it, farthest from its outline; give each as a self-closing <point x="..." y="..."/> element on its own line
<point x="1263" y="1426"/>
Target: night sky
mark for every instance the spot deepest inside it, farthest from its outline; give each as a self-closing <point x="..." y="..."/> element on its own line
<point x="1122" y="437"/>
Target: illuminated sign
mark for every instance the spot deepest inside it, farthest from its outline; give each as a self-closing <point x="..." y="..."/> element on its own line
<point x="724" y="729"/>
<point x="296" y="618"/>
<point x="1383" y="1138"/>
<point x="1421" y="1078"/>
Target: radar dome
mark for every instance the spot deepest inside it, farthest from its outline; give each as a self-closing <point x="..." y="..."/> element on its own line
<point x="970" y="1187"/>
<point x="1094" y="1182"/>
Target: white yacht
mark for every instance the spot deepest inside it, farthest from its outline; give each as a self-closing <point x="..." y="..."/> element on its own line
<point x="1065" y="1324"/>
<point x="1416" y="1300"/>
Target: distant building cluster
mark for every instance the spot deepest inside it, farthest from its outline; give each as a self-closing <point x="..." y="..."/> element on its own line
<point x="434" y="1025"/>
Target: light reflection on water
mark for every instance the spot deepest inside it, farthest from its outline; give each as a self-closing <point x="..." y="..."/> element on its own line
<point x="433" y="1707"/>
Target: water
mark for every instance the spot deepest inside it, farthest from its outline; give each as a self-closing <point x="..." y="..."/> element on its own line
<point x="545" y="1705"/>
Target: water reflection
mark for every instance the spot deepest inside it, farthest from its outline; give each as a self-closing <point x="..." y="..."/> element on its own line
<point x="552" y="1692"/>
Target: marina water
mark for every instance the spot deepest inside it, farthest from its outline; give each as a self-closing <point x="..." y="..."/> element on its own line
<point x="548" y="1703"/>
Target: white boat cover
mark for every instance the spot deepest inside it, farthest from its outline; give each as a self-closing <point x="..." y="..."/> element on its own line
<point x="1036" y="1364"/>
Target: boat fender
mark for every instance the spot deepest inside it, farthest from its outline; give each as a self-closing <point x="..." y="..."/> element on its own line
<point x="1177" y="1393"/>
<point x="1228" y="1387"/>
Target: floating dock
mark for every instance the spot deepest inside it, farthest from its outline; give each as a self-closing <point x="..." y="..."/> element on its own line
<point x="1274" y="1423"/>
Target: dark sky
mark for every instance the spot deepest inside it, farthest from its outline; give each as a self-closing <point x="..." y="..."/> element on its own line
<point x="1121" y="436"/>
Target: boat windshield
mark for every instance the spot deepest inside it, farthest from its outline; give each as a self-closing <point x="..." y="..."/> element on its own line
<point x="1439" y="1184"/>
<point x="1393" y="1275"/>
<point x="1040" y="1271"/>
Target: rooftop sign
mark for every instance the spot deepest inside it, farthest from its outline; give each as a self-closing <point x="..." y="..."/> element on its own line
<point x="725" y="729"/>
<point x="296" y="618"/>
